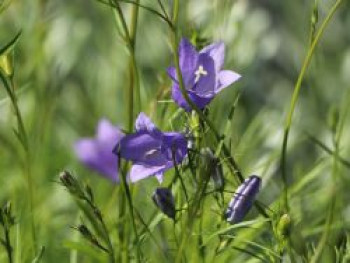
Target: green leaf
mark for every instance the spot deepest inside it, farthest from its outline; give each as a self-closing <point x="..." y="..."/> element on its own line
<point x="5" y="49"/>
<point x="87" y="250"/>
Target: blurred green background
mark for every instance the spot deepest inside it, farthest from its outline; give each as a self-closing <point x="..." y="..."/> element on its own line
<point x="71" y="70"/>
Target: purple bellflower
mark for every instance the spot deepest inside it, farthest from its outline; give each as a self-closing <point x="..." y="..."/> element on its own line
<point x="201" y="73"/>
<point x="151" y="151"/>
<point x="243" y="199"/>
<point x="96" y="153"/>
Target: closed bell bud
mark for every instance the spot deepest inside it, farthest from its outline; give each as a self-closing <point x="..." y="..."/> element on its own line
<point x="215" y="167"/>
<point x="243" y="199"/>
<point x="164" y="200"/>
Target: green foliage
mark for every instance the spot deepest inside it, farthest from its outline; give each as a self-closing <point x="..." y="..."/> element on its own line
<point x="66" y="64"/>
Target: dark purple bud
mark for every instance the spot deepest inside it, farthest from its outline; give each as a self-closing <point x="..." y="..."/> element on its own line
<point x="243" y="199"/>
<point x="164" y="199"/>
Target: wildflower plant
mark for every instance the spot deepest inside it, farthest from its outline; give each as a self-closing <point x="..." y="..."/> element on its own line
<point x="178" y="165"/>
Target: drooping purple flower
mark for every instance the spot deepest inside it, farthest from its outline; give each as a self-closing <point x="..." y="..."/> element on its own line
<point x="96" y="153"/>
<point x="151" y="151"/>
<point x="243" y="199"/>
<point x="201" y="73"/>
<point x="164" y="199"/>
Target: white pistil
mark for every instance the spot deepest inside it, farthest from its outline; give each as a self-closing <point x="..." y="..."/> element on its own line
<point x="151" y="153"/>
<point x="200" y="72"/>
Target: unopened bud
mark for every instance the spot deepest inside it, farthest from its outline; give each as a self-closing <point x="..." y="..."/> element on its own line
<point x="284" y="225"/>
<point x="164" y="200"/>
<point x="243" y="199"/>
<point x="6" y="64"/>
<point x="89" y="193"/>
<point x="67" y="179"/>
<point x="215" y="168"/>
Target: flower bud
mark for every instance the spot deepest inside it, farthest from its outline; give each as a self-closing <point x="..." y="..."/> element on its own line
<point x="6" y="217"/>
<point x="6" y="64"/>
<point x="72" y="185"/>
<point x="284" y="225"/>
<point x="67" y="179"/>
<point x="164" y="199"/>
<point x="243" y="199"/>
<point x="215" y="168"/>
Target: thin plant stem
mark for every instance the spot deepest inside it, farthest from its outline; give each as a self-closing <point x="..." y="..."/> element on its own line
<point x="8" y="245"/>
<point x="23" y="138"/>
<point x="178" y="175"/>
<point x="294" y="99"/>
<point x="130" y="37"/>
<point x="328" y="150"/>
<point x="331" y="210"/>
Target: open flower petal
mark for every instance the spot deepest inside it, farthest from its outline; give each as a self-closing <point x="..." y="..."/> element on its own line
<point x="141" y="147"/>
<point x="174" y="144"/>
<point x="205" y="76"/>
<point x="226" y="78"/>
<point x="217" y="52"/>
<point x="172" y="73"/>
<point x="200" y="102"/>
<point x="107" y="133"/>
<point x="96" y="153"/>
<point x="188" y="57"/>
<point x="151" y="150"/>
<point x="140" y="171"/>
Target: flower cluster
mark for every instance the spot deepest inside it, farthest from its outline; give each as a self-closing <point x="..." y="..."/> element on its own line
<point x="151" y="151"/>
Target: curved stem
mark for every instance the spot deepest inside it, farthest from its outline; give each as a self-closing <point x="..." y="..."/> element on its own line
<point x="294" y="99"/>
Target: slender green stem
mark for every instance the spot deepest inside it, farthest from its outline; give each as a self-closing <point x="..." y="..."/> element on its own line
<point x="132" y="66"/>
<point x="8" y="245"/>
<point x="331" y="210"/>
<point x="22" y="136"/>
<point x="294" y="99"/>
<point x="329" y="151"/>
<point x="130" y="37"/>
<point x="108" y="241"/>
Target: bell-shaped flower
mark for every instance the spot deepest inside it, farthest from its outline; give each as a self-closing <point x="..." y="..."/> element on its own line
<point x="96" y="153"/>
<point x="201" y="73"/>
<point x="151" y="151"/>
<point x="243" y="199"/>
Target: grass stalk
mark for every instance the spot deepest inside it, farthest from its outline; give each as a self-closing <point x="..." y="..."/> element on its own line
<point x="130" y="41"/>
<point x="297" y="87"/>
<point x="23" y="138"/>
